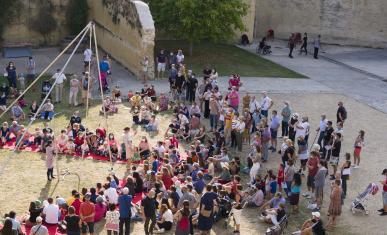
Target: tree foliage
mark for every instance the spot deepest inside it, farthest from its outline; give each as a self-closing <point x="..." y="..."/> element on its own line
<point x="198" y="20"/>
<point x="44" y="22"/>
<point x="9" y="10"/>
<point x="77" y="15"/>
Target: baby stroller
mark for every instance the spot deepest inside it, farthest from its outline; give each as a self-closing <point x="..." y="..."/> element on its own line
<point x="224" y="209"/>
<point x="359" y="204"/>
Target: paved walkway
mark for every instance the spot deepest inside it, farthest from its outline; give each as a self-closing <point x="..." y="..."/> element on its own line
<point x="340" y="79"/>
<point x="126" y="80"/>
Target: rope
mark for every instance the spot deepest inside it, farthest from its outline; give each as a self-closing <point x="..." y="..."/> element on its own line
<point x="88" y="84"/>
<point x="44" y="71"/>
<point x="101" y="89"/>
<point x="17" y="145"/>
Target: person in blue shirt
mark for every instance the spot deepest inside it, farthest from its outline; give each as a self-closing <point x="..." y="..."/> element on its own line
<point x="273" y="185"/>
<point x="195" y="171"/>
<point x="199" y="184"/>
<point x="125" y="204"/>
<point x="155" y="163"/>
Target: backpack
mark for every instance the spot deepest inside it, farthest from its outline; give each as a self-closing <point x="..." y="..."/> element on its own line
<point x="183" y="223"/>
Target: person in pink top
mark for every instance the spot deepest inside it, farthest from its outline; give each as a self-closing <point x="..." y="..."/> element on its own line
<point x="233" y="98"/>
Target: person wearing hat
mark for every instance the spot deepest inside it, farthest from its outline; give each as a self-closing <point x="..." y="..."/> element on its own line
<point x="312" y="226"/>
<point x="148" y="212"/>
<point x="225" y="175"/>
<point x="87" y="213"/>
<point x="384" y="193"/>
<point x="39" y="228"/>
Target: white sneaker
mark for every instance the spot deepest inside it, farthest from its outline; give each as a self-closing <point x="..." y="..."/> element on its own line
<point x="356" y="167"/>
<point x="308" y="196"/>
<point x="159" y="231"/>
<point x="305" y="194"/>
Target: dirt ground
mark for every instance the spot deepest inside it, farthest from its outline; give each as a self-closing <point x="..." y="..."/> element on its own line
<point x="24" y="178"/>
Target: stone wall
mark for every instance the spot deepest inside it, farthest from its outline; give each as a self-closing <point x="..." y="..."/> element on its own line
<point x="126" y="31"/>
<point x="19" y="31"/>
<point x="347" y="22"/>
<point x="248" y="21"/>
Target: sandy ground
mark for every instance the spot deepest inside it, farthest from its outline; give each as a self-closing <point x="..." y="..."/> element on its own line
<point x="24" y="177"/>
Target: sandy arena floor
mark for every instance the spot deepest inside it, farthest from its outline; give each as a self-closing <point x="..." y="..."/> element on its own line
<point x="24" y="178"/>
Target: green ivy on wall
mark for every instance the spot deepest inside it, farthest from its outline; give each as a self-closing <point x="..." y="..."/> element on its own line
<point x="8" y="12"/>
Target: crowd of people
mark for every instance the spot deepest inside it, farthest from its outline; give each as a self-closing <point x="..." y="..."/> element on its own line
<point x="193" y="176"/>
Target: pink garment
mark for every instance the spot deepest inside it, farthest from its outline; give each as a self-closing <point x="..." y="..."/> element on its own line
<point x="233" y="98"/>
<point x="100" y="211"/>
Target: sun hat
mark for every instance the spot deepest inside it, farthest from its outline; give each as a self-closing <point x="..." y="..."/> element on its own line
<point x="316" y="214"/>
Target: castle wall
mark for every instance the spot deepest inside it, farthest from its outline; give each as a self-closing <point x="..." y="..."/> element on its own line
<point x="346" y="22"/>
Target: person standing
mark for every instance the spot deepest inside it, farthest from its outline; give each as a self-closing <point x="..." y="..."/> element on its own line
<point x="304" y="44"/>
<point x="87" y="213"/>
<point x="59" y="77"/>
<point x="39" y="228"/>
<point x="104" y="67"/>
<point x="359" y="143"/>
<point x="312" y="165"/>
<point x="87" y="55"/>
<point x="192" y="84"/>
<point x="85" y="87"/>
<point x="161" y="64"/>
<point x="31" y="70"/>
<point x="206" y="210"/>
<point x="274" y="126"/>
<point x="335" y="204"/>
<point x="266" y="136"/>
<point x="328" y="141"/>
<point x="125" y="204"/>
<point x="50" y="160"/>
<point x="148" y="212"/>
<point x="72" y="221"/>
<point x="10" y="71"/>
<point x="74" y="89"/>
<point x="319" y="182"/>
<point x="336" y="148"/>
<point x="317" y="45"/>
<point x="144" y="69"/>
<point x="322" y="127"/>
<point x="341" y="113"/>
<point x="285" y="113"/>
<point x="384" y="193"/>
<point x="291" y="44"/>
<point x="266" y="104"/>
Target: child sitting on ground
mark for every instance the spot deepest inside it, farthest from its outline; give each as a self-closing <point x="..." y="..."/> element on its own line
<point x="70" y="147"/>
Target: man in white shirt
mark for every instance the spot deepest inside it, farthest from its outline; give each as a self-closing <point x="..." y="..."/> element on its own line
<point x="180" y="57"/>
<point x="302" y="129"/>
<point x="266" y="104"/>
<point x="60" y="78"/>
<point x="111" y="195"/>
<point x="253" y="105"/>
<point x="87" y="55"/>
<point x="51" y="212"/>
<point x="322" y="127"/>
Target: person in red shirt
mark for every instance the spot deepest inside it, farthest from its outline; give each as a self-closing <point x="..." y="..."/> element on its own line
<point x="87" y="212"/>
<point x="166" y="178"/>
<point x="312" y="165"/>
<point x="77" y="203"/>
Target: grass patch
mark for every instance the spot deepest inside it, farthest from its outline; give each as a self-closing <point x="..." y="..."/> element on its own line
<point x="227" y="59"/>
